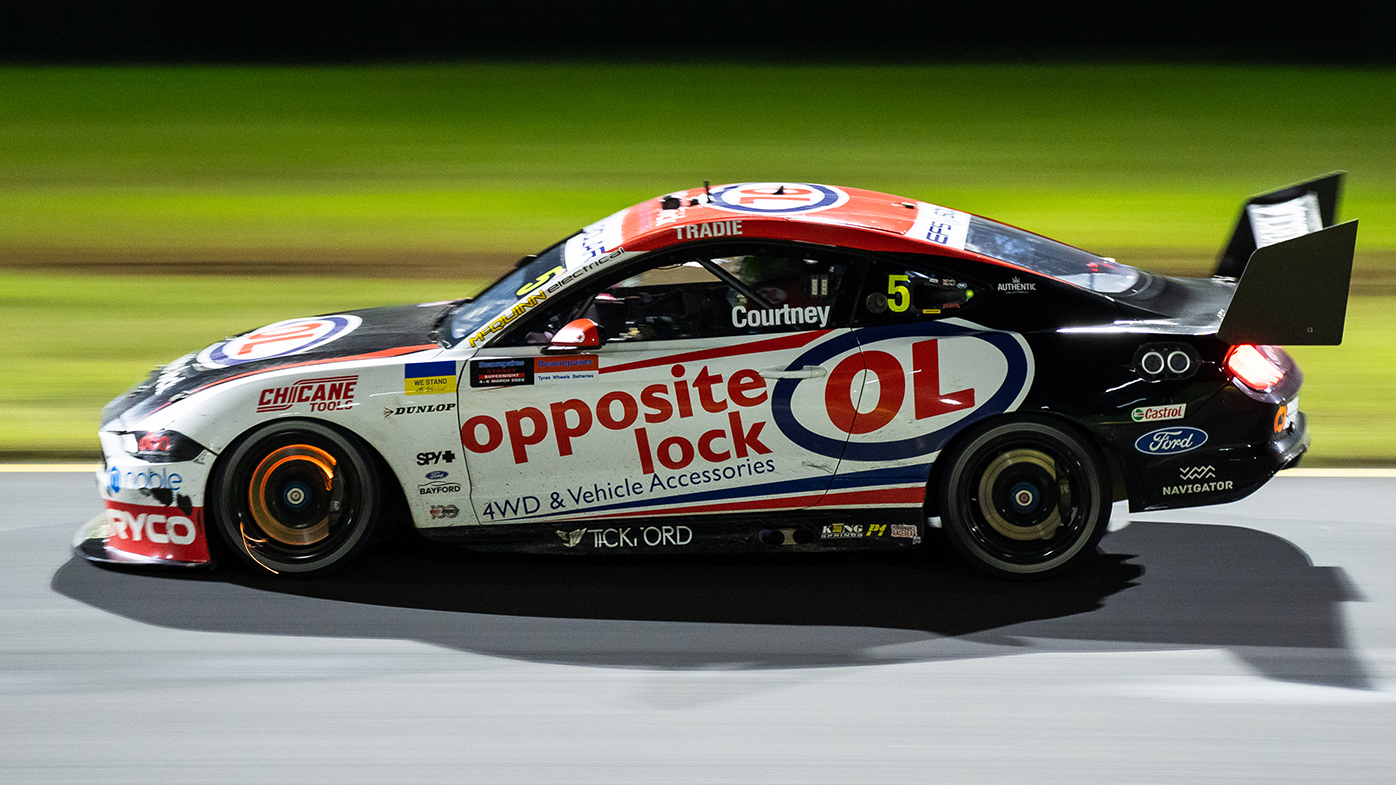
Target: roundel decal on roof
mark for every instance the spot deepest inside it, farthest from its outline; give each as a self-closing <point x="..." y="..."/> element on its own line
<point x="776" y="198"/>
<point x="922" y="383"/>
<point x="292" y="336"/>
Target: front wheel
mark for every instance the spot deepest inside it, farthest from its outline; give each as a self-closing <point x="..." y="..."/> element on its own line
<point x="1025" y="498"/>
<point x="297" y="497"/>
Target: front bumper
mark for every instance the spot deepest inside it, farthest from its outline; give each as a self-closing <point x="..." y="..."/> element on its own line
<point x="93" y="542"/>
<point x="154" y="511"/>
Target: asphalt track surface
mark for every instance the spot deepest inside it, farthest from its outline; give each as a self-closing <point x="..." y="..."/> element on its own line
<point x="1251" y="642"/>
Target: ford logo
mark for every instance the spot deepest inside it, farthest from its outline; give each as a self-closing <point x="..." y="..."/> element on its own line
<point x="1171" y="441"/>
<point x="438" y="475"/>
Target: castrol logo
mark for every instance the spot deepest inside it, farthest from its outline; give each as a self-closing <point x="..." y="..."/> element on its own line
<point x="900" y="392"/>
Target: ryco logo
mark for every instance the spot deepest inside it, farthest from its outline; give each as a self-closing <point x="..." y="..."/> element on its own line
<point x="154" y="527"/>
<point x="278" y="340"/>
<point x="776" y="198"/>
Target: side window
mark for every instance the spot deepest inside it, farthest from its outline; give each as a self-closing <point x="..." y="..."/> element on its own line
<point x="717" y="293"/>
<point x="781" y="292"/>
<point x="894" y="293"/>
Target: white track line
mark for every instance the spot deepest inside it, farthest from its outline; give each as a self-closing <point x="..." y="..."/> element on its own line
<point x="72" y="468"/>
<point x="1353" y="472"/>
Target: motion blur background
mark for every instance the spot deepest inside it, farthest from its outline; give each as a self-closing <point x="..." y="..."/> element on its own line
<point x="172" y="173"/>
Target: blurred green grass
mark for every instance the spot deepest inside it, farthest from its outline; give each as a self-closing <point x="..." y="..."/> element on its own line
<point x="507" y="157"/>
<point x="447" y="171"/>
<point x="74" y="342"/>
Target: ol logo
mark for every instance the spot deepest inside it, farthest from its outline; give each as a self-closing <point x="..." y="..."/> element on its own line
<point x="776" y="198"/>
<point x="901" y="391"/>
<point x="278" y="340"/>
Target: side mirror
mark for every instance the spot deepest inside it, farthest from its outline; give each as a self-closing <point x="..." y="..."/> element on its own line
<point x="576" y="335"/>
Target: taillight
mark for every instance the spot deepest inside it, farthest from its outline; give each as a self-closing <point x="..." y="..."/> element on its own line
<point x="1257" y="367"/>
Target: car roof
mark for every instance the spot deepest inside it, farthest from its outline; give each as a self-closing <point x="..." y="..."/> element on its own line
<point x="805" y="212"/>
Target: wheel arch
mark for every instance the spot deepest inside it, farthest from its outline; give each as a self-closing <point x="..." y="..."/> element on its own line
<point x="1107" y="456"/>
<point x="397" y="516"/>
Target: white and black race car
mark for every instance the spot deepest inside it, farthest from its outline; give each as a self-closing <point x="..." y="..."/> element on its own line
<point x="746" y="367"/>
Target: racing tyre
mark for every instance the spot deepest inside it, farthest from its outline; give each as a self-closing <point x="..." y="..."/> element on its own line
<point x="297" y="497"/>
<point x="1025" y="499"/>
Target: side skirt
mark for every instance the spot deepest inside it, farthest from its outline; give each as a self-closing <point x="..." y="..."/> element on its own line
<point x="808" y="531"/>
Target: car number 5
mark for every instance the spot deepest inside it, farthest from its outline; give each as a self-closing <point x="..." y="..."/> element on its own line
<point x="896" y="286"/>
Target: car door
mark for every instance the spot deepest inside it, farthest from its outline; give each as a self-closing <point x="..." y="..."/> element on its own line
<point x="675" y="413"/>
<point x="925" y="370"/>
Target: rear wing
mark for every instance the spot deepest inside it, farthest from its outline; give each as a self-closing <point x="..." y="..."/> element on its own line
<point x="1278" y="216"/>
<point x="1293" y="291"/>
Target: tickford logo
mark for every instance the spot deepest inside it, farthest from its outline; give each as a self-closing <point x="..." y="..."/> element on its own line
<point x="1016" y="285"/>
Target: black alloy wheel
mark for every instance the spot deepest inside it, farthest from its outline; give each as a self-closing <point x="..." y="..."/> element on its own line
<point x="296" y="497"/>
<point x="1025" y="498"/>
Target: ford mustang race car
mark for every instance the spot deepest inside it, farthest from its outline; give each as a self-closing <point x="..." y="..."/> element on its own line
<point x="745" y="367"/>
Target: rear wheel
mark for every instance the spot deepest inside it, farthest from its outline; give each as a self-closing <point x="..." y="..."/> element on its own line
<point x="297" y="497"/>
<point x="1025" y="498"/>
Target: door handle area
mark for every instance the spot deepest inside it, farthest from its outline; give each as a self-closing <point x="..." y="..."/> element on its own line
<point x="807" y="372"/>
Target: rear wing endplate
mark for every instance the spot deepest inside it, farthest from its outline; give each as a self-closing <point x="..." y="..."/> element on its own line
<point x="1278" y="216"/>
<point x="1294" y="292"/>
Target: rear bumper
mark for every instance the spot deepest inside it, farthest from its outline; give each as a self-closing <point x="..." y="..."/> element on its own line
<point x="1230" y="471"/>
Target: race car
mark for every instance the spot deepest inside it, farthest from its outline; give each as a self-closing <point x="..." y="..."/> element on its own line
<point x="757" y="366"/>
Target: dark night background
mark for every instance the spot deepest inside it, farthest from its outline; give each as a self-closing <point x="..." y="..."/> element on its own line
<point x="1359" y="32"/>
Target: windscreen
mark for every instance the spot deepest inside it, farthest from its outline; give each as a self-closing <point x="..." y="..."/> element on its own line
<point x="1050" y="257"/>
<point x="516" y="285"/>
